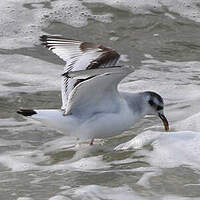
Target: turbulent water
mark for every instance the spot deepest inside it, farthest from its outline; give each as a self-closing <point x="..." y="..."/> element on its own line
<point x="161" y="40"/>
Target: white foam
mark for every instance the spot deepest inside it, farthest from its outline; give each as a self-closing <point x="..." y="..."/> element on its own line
<point x="174" y="197"/>
<point x="124" y="161"/>
<point x="33" y="74"/>
<point x="103" y="192"/>
<point x="185" y="8"/>
<point x="136" y="7"/>
<point x="114" y="38"/>
<point x="59" y="197"/>
<point x="25" y="198"/>
<point x="85" y="164"/>
<point x="21" y="27"/>
<point x="22" y="160"/>
<point x="191" y="123"/>
<point x="71" y="143"/>
<point x="30" y="160"/>
<point x="124" y="58"/>
<point x="170" y="15"/>
<point x="139" y="141"/>
<point x="144" y="180"/>
<point x="170" y="149"/>
<point x="65" y="142"/>
<point x="149" y="56"/>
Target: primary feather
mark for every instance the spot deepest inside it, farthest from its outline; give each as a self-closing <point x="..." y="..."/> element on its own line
<point x="78" y="56"/>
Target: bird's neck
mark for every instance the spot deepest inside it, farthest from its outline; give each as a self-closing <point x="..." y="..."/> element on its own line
<point x="136" y="103"/>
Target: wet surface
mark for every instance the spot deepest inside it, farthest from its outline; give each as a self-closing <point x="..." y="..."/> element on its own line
<point x="161" y="41"/>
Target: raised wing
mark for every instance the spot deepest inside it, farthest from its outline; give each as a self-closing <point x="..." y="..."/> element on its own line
<point x="78" y="56"/>
<point x="98" y="93"/>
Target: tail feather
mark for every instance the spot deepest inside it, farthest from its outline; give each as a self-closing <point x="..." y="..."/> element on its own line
<point x="26" y="112"/>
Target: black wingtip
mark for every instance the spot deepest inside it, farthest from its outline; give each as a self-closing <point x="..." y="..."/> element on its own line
<point x="43" y="38"/>
<point x="46" y="38"/>
<point x="26" y="112"/>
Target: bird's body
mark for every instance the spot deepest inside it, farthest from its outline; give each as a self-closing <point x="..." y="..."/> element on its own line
<point x="96" y="125"/>
<point x="92" y="106"/>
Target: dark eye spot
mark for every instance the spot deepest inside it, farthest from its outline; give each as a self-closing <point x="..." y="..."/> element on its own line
<point x="151" y="102"/>
<point x="159" y="108"/>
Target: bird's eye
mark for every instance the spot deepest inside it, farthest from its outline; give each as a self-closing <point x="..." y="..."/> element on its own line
<point x="151" y="102"/>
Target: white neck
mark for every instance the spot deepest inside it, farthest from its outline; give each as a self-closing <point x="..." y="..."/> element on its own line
<point x="136" y="103"/>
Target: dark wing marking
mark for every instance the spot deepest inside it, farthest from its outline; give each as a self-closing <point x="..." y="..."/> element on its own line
<point x="98" y="93"/>
<point x="78" y="56"/>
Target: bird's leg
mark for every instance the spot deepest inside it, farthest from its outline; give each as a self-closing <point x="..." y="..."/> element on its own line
<point x="91" y="142"/>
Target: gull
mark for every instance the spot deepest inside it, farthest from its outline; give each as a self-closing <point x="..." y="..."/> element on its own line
<point x="92" y="105"/>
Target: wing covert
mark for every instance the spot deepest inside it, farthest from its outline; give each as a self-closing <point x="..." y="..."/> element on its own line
<point x="78" y="56"/>
<point x="98" y="93"/>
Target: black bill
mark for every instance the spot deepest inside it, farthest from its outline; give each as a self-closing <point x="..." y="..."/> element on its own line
<point x="165" y="122"/>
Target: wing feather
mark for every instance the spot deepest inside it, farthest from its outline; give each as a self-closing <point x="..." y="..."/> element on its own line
<point x="98" y="93"/>
<point x="78" y="56"/>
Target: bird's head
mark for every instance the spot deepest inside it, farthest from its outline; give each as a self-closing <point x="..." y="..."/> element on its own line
<point x="155" y="106"/>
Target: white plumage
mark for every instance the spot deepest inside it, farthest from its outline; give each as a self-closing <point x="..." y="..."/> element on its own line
<point x="92" y="106"/>
<point x="78" y="56"/>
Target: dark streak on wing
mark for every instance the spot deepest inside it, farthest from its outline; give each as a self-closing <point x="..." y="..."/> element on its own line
<point x="81" y="80"/>
<point x="57" y="41"/>
<point x="85" y="46"/>
<point x="44" y="38"/>
<point x="107" y="57"/>
<point x="102" y="60"/>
